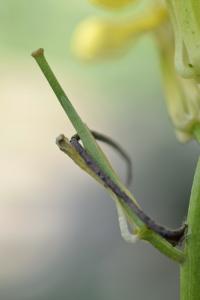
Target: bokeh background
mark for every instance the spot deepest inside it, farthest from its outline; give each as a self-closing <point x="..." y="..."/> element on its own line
<point x="59" y="235"/>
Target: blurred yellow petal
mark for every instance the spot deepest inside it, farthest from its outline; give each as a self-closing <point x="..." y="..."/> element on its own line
<point x="112" y="4"/>
<point x="97" y="38"/>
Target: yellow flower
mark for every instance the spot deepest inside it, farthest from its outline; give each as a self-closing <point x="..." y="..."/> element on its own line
<point x="184" y="107"/>
<point x="97" y="38"/>
<point x="185" y="16"/>
<point x="112" y="4"/>
<point x="182" y="95"/>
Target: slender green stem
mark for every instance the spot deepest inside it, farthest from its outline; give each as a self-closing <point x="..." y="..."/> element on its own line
<point x="164" y="247"/>
<point x="80" y="127"/>
<point x="190" y="269"/>
<point x="97" y="154"/>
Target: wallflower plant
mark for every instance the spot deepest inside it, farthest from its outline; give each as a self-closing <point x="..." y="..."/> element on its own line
<point x="175" y="27"/>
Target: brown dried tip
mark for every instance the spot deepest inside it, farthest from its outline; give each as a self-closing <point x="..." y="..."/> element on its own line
<point x="60" y="139"/>
<point x="62" y="142"/>
<point x="38" y="52"/>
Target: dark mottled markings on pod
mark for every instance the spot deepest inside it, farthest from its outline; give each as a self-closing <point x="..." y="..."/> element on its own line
<point x="105" y="139"/>
<point x="172" y="236"/>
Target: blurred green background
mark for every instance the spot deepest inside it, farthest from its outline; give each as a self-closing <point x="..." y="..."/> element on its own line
<point x="59" y="233"/>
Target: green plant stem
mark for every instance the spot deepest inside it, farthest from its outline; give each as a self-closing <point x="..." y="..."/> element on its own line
<point x="97" y="154"/>
<point x="81" y="128"/>
<point x="190" y="269"/>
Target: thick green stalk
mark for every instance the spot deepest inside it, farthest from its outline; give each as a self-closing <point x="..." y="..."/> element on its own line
<point x="190" y="269"/>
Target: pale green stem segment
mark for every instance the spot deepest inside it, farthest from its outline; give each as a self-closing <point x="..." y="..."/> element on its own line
<point x="97" y="154"/>
<point x="190" y="269"/>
